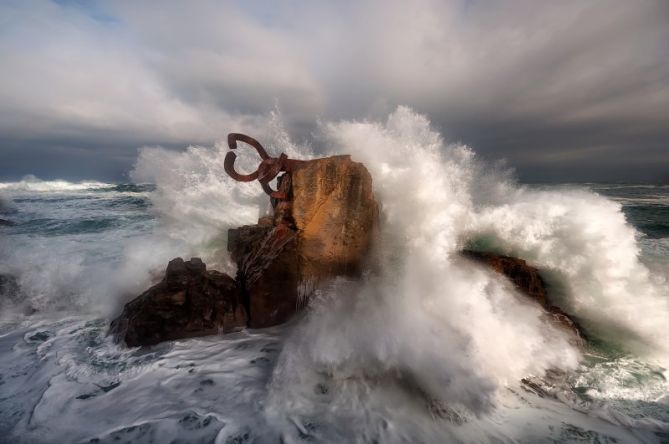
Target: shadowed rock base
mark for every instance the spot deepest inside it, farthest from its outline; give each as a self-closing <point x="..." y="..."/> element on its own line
<point x="189" y="301"/>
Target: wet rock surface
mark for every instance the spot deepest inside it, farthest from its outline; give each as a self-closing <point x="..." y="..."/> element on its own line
<point x="267" y="272"/>
<point x="528" y="280"/>
<point x="323" y="229"/>
<point x="189" y="301"/>
<point x="323" y="226"/>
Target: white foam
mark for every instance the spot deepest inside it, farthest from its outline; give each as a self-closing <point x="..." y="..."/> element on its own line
<point x="33" y="184"/>
<point x="430" y="348"/>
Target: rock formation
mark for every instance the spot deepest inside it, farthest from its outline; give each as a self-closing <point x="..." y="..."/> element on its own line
<point x="528" y="280"/>
<point x="323" y="226"/>
<point x="323" y="229"/>
<point x="189" y="301"/>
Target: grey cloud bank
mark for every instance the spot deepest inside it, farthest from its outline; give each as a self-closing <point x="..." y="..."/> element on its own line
<point x="564" y="91"/>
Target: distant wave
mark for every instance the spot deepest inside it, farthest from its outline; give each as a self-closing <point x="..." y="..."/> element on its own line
<point x="31" y="183"/>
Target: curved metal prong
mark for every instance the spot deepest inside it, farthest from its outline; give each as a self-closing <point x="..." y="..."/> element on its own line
<point x="229" y="166"/>
<point x="267" y="188"/>
<point x="234" y="137"/>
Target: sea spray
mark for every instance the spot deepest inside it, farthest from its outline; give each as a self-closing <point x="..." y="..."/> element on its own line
<point x="197" y="201"/>
<point x="455" y="331"/>
<point x="428" y="347"/>
<point x="445" y="198"/>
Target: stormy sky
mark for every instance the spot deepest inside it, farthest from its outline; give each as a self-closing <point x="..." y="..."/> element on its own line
<point x="575" y="90"/>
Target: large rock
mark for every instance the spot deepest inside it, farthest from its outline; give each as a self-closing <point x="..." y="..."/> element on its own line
<point x="324" y="222"/>
<point x="336" y="216"/>
<point x="189" y="301"/>
<point x="528" y="280"/>
<point x="325" y="228"/>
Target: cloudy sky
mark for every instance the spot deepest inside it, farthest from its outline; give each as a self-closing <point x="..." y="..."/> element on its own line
<point x="575" y="90"/>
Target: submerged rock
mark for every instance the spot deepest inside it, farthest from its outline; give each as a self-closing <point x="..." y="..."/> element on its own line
<point x="189" y="301"/>
<point x="528" y="280"/>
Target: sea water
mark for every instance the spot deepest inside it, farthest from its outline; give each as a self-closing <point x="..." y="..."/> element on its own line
<point x="430" y="348"/>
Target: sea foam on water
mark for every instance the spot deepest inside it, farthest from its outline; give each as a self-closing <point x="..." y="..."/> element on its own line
<point x="427" y="347"/>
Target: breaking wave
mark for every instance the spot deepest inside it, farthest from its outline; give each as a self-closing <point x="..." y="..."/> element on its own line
<point x="33" y="184"/>
<point x="428" y="347"/>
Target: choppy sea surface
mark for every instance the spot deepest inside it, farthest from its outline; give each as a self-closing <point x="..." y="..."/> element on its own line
<point x="431" y="351"/>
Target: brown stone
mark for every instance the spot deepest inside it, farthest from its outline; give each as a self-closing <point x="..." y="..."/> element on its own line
<point x="336" y="216"/>
<point x="324" y="221"/>
<point x="323" y="228"/>
<point x="189" y="301"/>
<point x="528" y="280"/>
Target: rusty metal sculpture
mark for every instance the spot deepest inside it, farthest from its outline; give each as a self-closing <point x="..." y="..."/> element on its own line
<point x="268" y="169"/>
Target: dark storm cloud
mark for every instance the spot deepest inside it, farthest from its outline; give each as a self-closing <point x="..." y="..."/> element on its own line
<point x="574" y="90"/>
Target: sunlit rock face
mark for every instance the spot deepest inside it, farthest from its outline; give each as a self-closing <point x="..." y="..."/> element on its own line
<point x="336" y="216"/>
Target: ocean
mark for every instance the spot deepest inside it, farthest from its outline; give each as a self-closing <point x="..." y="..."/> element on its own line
<point x="431" y="349"/>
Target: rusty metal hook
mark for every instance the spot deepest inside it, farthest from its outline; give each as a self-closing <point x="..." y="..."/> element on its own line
<point x="229" y="162"/>
<point x="268" y="169"/>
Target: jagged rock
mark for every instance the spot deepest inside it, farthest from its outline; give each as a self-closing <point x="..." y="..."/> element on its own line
<point x="336" y="216"/>
<point x="268" y="272"/>
<point x="189" y="301"/>
<point x="528" y="280"/>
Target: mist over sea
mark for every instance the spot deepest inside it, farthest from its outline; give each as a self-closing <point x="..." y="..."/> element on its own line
<point x="431" y="349"/>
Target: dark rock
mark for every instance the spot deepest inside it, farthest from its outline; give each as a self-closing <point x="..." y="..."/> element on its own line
<point x="189" y="301"/>
<point x="244" y="240"/>
<point x="268" y="272"/>
<point x="6" y="223"/>
<point x="528" y="280"/>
